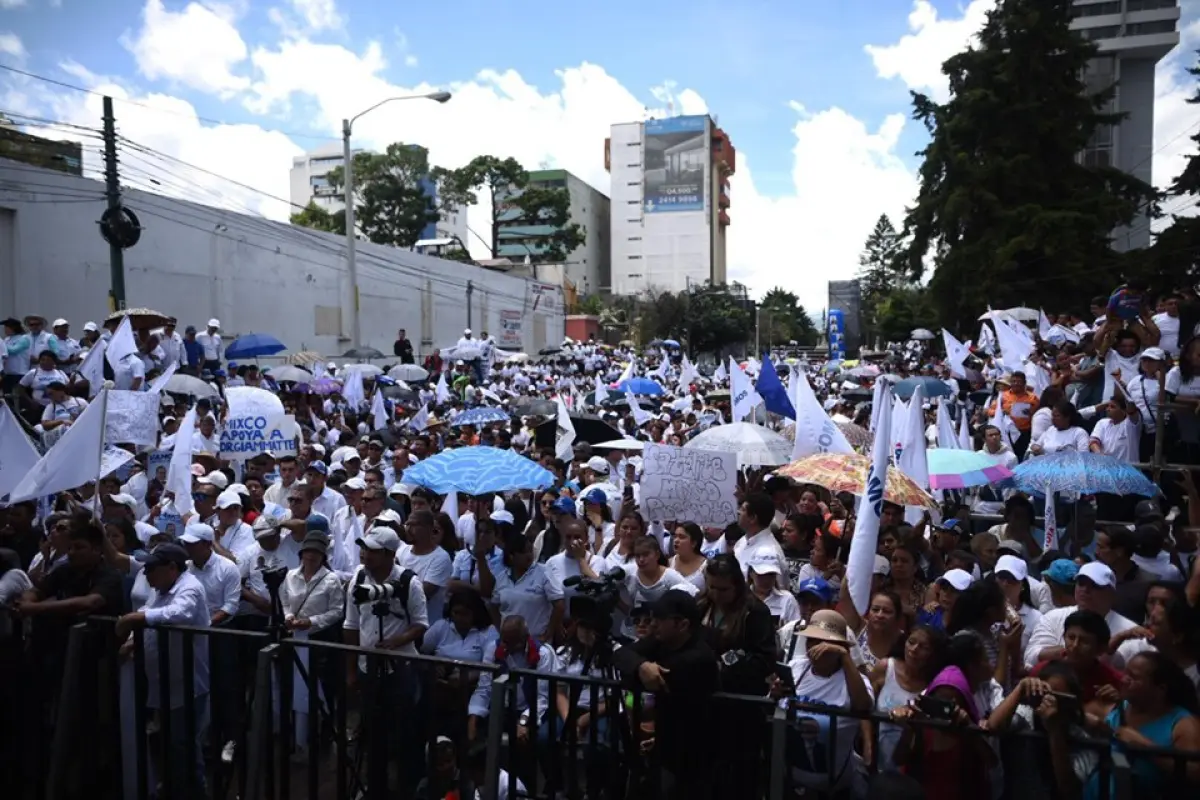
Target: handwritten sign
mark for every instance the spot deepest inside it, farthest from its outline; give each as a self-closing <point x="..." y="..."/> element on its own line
<point x="131" y="418"/>
<point x="246" y="437"/>
<point x="689" y="485"/>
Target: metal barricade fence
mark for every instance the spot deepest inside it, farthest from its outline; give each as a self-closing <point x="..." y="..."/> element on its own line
<point x="112" y="738"/>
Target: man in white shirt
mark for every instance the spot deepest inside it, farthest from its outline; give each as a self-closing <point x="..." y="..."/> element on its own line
<point x="210" y="346"/>
<point x="1168" y="325"/>
<point x="65" y="348"/>
<point x="235" y="535"/>
<point x="277" y="492"/>
<point x="171" y="344"/>
<point x="178" y="599"/>
<point x="1095" y="590"/>
<point x="754" y="517"/>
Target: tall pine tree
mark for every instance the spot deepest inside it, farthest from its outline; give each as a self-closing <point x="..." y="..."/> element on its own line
<point x="877" y="274"/>
<point x="1006" y="204"/>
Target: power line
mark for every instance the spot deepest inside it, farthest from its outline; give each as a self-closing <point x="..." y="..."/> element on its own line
<point x="197" y="117"/>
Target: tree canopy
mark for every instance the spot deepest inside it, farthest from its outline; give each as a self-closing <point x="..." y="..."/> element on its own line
<point x="880" y="273"/>
<point x="782" y="319"/>
<point x="1007" y="211"/>
<point x="537" y="217"/>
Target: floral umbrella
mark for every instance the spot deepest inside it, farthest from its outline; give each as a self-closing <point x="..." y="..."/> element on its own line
<point x="842" y="473"/>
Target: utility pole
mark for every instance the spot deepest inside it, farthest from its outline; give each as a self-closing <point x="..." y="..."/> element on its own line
<point x="112" y="188"/>
<point x="351" y="260"/>
<point x="470" y="291"/>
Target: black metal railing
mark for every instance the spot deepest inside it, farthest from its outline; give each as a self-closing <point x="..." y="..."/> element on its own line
<point x="122" y="733"/>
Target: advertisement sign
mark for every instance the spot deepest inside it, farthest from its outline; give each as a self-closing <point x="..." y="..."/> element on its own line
<point x="837" y="334"/>
<point x="542" y="298"/>
<point x="676" y="154"/>
<point x="510" y="331"/>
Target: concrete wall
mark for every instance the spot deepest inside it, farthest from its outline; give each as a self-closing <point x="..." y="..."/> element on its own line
<point x="196" y="262"/>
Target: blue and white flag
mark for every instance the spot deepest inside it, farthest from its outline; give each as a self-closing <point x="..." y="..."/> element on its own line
<point x="860" y="566"/>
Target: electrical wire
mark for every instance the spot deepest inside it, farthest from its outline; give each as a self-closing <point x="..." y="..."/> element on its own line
<point x="127" y="101"/>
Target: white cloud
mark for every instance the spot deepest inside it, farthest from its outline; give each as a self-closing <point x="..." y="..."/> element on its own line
<point x="196" y="47"/>
<point x="917" y="57"/>
<point x="10" y="45"/>
<point x="319" y="15"/>
<point x="410" y="60"/>
<point x="1175" y="119"/>
<point x="5" y="4"/>
<point x="845" y="172"/>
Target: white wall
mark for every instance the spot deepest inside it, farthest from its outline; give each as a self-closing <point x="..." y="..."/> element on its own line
<point x="196" y="262"/>
<point x="625" y="165"/>
<point x="588" y="265"/>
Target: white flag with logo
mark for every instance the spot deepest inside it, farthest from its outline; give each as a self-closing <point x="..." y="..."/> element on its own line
<point x="640" y="415"/>
<point x="743" y="398"/>
<point x="92" y="367"/>
<point x="71" y="463"/>
<point x="815" y="431"/>
<point x="860" y="566"/>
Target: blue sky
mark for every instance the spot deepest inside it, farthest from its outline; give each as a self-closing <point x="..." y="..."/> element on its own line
<point x="823" y="133"/>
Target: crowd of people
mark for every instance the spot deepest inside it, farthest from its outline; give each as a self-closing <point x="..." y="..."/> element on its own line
<point x="972" y="620"/>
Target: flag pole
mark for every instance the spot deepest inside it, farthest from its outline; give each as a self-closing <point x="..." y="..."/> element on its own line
<point x="100" y="455"/>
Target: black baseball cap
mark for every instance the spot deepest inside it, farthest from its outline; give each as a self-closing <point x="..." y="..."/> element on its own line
<point x="1147" y="511"/>
<point x="676" y="603"/>
<point x="167" y="553"/>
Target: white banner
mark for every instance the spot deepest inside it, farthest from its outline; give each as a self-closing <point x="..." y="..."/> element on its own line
<point x="246" y="437"/>
<point x="689" y="485"/>
<point x="132" y="418"/>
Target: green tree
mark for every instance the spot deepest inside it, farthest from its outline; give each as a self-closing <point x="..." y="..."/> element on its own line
<point x="391" y="206"/>
<point x="878" y="273"/>
<point x="781" y="319"/>
<point x="716" y="317"/>
<point x="1174" y="259"/>
<point x="538" y="217"/>
<point x="902" y="310"/>
<point x="1005" y="204"/>
<point x="317" y="218"/>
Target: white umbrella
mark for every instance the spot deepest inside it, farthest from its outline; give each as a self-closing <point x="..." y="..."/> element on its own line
<point x="408" y="372"/>
<point x="190" y="385"/>
<point x="620" y="444"/>
<point x="366" y="370"/>
<point x="755" y="445"/>
<point x="921" y="335"/>
<point x="286" y="373"/>
<point x="1023" y="314"/>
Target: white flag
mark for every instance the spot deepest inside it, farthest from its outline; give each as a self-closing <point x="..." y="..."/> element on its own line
<point x="71" y="463"/>
<point x="564" y="437"/>
<point x="441" y="392"/>
<point x="720" y="374"/>
<point x="1000" y="420"/>
<point x="353" y="390"/>
<point x="420" y="420"/>
<point x="964" y="429"/>
<point x="688" y="374"/>
<point x="121" y="345"/>
<point x="17" y="453"/>
<point x="815" y="431"/>
<point x="179" y="471"/>
<point x="861" y="564"/>
<point x="160" y="382"/>
<point x="601" y="393"/>
<point x="379" y="411"/>
<point x="956" y="354"/>
<point x="912" y="455"/>
<point x="741" y="390"/>
<point x="1043" y="326"/>
<point x="947" y="436"/>
<point x="92" y="367"/>
<point x="640" y="415"/>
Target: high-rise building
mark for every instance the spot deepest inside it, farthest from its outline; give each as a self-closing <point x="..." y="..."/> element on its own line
<point x="310" y="184"/>
<point x="670" y="203"/>
<point x="587" y="266"/>
<point x="1133" y="35"/>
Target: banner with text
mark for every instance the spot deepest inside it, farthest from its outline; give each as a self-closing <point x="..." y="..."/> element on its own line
<point x="246" y="437"/>
<point x="676" y="158"/>
<point x="131" y="418"/>
<point x="510" y="331"/>
<point x="689" y="485"/>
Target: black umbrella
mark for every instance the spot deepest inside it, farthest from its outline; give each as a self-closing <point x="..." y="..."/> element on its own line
<point x="535" y="406"/>
<point x="401" y="395"/>
<point x="623" y="402"/>
<point x="549" y="351"/>
<point x="858" y="394"/>
<point x="592" y="430"/>
<point x="362" y="353"/>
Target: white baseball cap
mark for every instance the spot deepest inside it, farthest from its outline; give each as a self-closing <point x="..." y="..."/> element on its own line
<point x="228" y="499"/>
<point x="214" y="323"/>
<point x="957" y="578"/>
<point x="467" y="332"/>
<point x="1097" y="573"/>
<point x="380" y="539"/>
<point x="197" y="532"/>
<point x="765" y="566"/>
<point x="882" y="565"/>
<point x="90" y="326"/>
<point x="60" y="322"/>
<point x="1011" y="565"/>
<point x="123" y="499"/>
<point x="216" y="479"/>
<point x="354" y="485"/>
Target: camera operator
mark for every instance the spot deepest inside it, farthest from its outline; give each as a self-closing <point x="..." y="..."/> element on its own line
<point x="676" y="663"/>
<point x="386" y="610"/>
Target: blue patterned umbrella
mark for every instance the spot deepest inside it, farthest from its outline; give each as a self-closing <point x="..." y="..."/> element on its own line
<point x="253" y="345"/>
<point x="930" y="387"/>
<point x="1078" y="474"/>
<point x="641" y="386"/>
<point x="483" y="415"/>
<point x="478" y="470"/>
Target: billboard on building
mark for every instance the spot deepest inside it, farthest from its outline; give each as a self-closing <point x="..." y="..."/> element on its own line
<point x="846" y="298"/>
<point x="675" y="157"/>
<point x="836" y="333"/>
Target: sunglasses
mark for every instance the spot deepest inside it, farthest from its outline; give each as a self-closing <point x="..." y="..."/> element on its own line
<point x="199" y="496"/>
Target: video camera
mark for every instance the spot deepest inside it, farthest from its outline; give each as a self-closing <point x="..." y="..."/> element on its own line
<point x="378" y="593"/>
<point x="596" y="599"/>
<point x="273" y="577"/>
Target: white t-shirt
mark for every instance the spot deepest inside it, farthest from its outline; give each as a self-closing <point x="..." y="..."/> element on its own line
<point x="831" y="691"/>
<point x="1177" y="386"/>
<point x="432" y="568"/>
<point x="1168" y="326"/>
<point x="1118" y="440"/>
<point x="70" y="408"/>
<point x="1128" y="367"/>
<point x="1056" y="441"/>
<point x="36" y="380"/>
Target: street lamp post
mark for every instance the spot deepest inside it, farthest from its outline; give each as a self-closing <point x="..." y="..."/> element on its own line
<point x="348" y="169"/>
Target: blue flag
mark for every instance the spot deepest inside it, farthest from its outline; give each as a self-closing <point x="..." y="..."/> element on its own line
<point x="772" y="391"/>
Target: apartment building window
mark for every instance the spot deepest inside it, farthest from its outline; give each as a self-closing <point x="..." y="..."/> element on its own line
<point x="635" y="258"/>
<point x="634" y="183"/>
<point x="1148" y="5"/>
<point x="1106" y="32"/>
<point x="1148" y="28"/>
<point x="326" y="161"/>
<point x="1096" y="9"/>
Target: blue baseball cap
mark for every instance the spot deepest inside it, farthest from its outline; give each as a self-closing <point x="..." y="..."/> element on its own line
<point x="596" y="496"/>
<point x="564" y="505"/>
<point x="318" y="467"/>
<point x="1063" y="572"/>
<point x="953" y="525"/>
<point x="819" y="587"/>
<point x="316" y="523"/>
